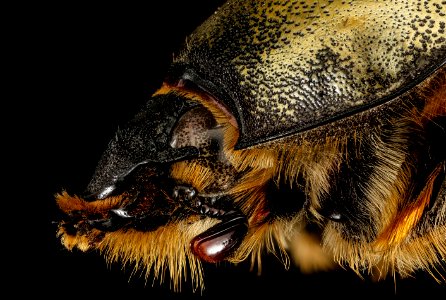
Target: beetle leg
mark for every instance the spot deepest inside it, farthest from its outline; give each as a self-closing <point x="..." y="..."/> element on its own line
<point x="210" y="206"/>
<point x="213" y="206"/>
<point x="222" y="239"/>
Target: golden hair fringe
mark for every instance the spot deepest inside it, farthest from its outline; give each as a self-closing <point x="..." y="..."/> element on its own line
<point x="163" y="253"/>
<point x="68" y="204"/>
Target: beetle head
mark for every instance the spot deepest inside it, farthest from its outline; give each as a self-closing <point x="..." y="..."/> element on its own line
<point x="168" y="177"/>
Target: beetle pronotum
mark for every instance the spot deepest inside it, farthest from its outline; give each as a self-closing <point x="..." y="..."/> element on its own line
<point x="283" y="125"/>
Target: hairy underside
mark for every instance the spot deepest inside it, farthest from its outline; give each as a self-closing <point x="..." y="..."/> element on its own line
<point x="365" y="192"/>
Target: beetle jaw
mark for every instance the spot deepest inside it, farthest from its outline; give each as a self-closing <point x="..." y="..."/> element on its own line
<point x="165" y="248"/>
<point x="151" y="253"/>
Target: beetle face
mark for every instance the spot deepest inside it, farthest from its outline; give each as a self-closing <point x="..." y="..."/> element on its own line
<point x="283" y="126"/>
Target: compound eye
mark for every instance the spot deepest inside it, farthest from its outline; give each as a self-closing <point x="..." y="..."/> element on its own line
<point x="197" y="128"/>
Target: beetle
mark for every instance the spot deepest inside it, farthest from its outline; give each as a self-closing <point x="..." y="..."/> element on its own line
<point x="282" y="126"/>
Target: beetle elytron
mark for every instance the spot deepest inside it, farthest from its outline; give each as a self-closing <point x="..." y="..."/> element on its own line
<point x="283" y="126"/>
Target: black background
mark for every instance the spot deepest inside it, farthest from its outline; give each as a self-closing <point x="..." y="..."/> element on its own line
<point x="82" y="70"/>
